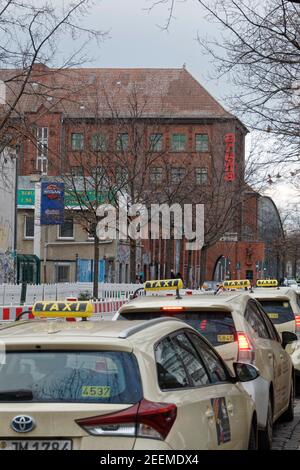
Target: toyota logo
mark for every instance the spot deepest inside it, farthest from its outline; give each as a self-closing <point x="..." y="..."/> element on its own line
<point x="23" y="423"/>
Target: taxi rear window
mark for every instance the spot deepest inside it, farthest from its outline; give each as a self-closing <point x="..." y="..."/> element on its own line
<point x="279" y="311"/>
<point x="70" y="376"/>
<point x="217" y="327"/>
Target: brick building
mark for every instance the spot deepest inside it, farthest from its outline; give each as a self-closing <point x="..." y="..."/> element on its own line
<point x="74" y="120"/>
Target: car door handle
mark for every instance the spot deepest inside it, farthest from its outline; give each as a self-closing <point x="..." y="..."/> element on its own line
<point x="270" y="356"/>
<point x="230" y="407"/>
<point x="209" y="414"/>
<point x="281" y="356"/>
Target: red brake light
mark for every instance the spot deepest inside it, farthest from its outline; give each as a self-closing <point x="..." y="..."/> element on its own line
<point x="203" y="325"/>
<point x="246" y="352"/>
<point x="145" y="419"/>
<point x="243" y="342"/>
<point x="297" y="319"/>
<point x="173" y="308"/>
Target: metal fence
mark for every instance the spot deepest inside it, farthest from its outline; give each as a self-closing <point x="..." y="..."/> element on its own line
<point x="10" y="294"/>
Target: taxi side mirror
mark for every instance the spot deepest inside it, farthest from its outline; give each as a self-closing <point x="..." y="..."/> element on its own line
<point x="245" y="372"/>
<point x="288" y="337"/>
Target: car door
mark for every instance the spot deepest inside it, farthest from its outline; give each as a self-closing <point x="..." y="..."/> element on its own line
<point x="183" y="380"/>
<point x="266" y="355"/>
<point x="232" y="397"/>
<point x="282" y="361"/>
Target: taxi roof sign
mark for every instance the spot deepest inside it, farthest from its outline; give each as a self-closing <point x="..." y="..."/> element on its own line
<point x="163" y="284"/>
<point x="63" y="309"/>
<point x="266" y="283"/>
<point x="237" y="284"/>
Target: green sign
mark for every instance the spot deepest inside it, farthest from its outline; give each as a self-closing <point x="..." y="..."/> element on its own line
<point x="26" y="197"/>
<point x="72" y="199"/>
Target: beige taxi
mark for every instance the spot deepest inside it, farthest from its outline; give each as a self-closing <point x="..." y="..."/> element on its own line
<point x="282" y="305"/>
<point x="236" y="325"/>
<point x="120" y="385"/>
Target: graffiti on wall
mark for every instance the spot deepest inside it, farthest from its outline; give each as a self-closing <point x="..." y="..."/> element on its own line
<point x="7" y="268"/>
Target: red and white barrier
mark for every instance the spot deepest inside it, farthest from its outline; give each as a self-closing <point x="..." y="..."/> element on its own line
<point x="101" y="308"/>
<point x="11" y="312"/>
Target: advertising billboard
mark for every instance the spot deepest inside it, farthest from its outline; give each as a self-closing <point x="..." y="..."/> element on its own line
<point x="52" y="203"/>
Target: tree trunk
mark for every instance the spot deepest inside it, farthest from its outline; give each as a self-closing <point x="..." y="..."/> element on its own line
<point x="96" y="266"/>
<point x="203" y="257"/>
<point x="132" y="260"/>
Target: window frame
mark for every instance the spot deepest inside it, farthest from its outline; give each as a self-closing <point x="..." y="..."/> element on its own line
<point x="59" y="236"/>
<point x="196" y="141"/>
<point x="255" y="311"/>
<point x="178" y="134"/>
<point x="269" y="325"/>
<point x="180" y="179"/>
<point x="77" y="149"/>
<point x="200" y="174"/>
<point x="42" y="135"/>
<point x="28" y="237"/>
<point x="153" y="145"/>
<point x="103" y="140"/>
<point x="190" y="386"/>
<point x="154" y="173"/>
<point x="59" y="265"/>
<point x="229" y="378"/>
<point x="119" y="142"/>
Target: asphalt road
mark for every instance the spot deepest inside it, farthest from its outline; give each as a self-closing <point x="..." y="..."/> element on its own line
<point x="286" y="436"/>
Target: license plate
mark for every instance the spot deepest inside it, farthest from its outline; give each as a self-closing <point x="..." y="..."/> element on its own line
<point x="273" y="315"/>
<point x="41" y="444"/>
<point x="225" y="338"/>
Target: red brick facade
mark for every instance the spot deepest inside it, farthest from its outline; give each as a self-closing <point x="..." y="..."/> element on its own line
<point x="181" y="106"/>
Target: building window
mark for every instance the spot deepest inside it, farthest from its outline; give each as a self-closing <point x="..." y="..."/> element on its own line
<point x="62" y="273"/>
<point x="177" y="174"/>
<point x="156" y="175"/>
<point x="77" y="141"/>
<point x="99" y="143"/>
<point x="156" y="142"/>
<point x="201" y="142"/>
<point x="201" y="175"/>
<point x="77" y="171"/>
<point x="122" y="142"/>
<point x="178" y="142"/>
<point x="66" y="230"/>
<point x="29" y="226"/>
<point x="42" y="150"/>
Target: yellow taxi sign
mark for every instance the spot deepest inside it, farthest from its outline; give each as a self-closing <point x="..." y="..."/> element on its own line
<point x="64" y="309"/>
<point x="266" y="283"/>
<point x="163" y="284"/>
<point x="238" y="284"/>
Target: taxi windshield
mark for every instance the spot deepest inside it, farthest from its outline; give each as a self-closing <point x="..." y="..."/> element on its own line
<point x="217" y="326"/>
<point x="279" y="311"/>
<point x="70" y="376"/>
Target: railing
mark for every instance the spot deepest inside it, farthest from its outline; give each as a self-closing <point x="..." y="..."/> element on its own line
<point x="10" y="294"/>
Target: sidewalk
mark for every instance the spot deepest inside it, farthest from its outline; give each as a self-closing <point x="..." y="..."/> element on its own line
<point x="286" y="436"/>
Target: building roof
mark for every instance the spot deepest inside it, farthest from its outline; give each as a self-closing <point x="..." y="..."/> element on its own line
<point x="110" y="92"/>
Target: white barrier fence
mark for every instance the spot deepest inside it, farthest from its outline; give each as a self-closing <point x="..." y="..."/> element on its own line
<point x="11" y="294"/>
<point x="103" y="310"/>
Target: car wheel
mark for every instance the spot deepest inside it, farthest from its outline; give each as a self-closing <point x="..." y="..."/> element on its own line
<point x="253" y="437"/>
<point x="288" y="415"/>
<point x="265" y="436"/>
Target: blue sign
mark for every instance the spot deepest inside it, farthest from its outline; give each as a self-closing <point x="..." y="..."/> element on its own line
<point x="52" y="203"/>
<point x="85" y="270"/>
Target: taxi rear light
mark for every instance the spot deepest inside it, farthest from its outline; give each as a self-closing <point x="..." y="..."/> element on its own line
<point x="297" y="319"/>
<point x="245" y="348"/>
<point x="173" y="308"/>
<point x="145" y="419"/>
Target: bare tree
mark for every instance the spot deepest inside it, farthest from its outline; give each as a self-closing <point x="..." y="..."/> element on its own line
<point x="259" y="51"/>
<point x="31" y="33"/>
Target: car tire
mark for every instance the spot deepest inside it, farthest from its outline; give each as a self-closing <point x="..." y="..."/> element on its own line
<point x="288" y="415"/>
<point x="253" y="443"/>
<point x="265" y="436"/>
